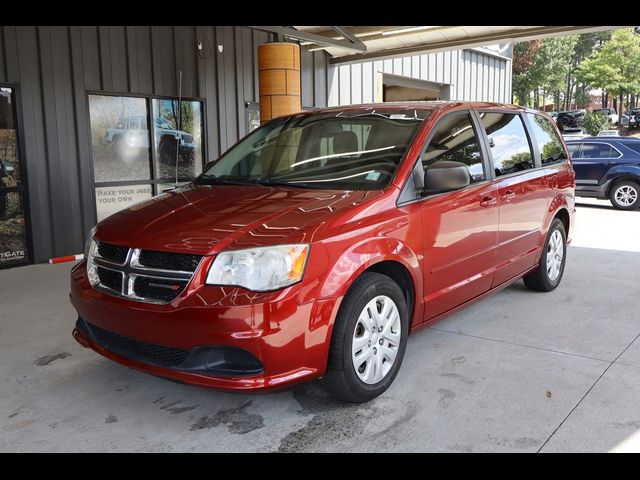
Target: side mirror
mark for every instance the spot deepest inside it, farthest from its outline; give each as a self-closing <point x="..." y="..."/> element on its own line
<point x="445" y="176"/>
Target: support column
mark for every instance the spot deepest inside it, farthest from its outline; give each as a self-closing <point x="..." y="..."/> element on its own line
<point x="279" y="79"/>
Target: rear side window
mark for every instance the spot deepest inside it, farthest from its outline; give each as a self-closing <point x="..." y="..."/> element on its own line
<point x="508" y="141"/>
<point x="455" y="139"/>
<point x="547" y="139"/>
<point x="597" y="150"/>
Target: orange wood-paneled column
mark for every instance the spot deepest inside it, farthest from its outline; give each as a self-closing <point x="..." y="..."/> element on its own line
<point x="279" y="79"/>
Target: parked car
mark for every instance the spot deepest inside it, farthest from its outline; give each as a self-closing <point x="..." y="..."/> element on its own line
<point x="574" y="134"/>
<point x="572" y="119"/>
<point x="609" y="133"/>
<point x="631" y="119"/>
<point x="314" y="246"/>
<point x="132" y="132"/>
<point x="608" y="168"/>
<point x="611" y="114"/>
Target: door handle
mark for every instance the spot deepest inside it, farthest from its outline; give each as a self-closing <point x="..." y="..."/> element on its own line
<point x="488" y="201"/>
<point x="508" y="195"/>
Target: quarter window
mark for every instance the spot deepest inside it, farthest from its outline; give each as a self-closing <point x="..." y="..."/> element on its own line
<point x="508" y="142"/>
<point x="455" y="139"/>
<point x="548" y="140"/>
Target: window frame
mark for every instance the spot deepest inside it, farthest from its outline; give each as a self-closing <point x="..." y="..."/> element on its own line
<point x="410" y="187"/>
<point x="582" y="144"/>
<point x="155" y="180"/>
<point x="538" y="154"/>
<point x="533" y="147"/>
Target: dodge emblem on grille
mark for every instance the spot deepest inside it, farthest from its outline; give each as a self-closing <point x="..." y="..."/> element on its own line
<point x="175" y="288"/>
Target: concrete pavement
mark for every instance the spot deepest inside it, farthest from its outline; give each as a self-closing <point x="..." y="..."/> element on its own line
<point x="519" y="371"/>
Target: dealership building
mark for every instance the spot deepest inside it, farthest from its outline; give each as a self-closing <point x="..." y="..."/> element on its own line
<point x="77" y="103"/>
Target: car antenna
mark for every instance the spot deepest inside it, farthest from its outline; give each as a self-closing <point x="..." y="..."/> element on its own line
<point x="178" y="136"/>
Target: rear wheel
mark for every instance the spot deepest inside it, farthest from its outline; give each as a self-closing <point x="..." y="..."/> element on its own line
<point x="369" y="339"/>
<point x="625" y="195"/>
<point x="551" y="266"/>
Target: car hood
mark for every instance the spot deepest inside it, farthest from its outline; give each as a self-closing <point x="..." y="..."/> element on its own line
<point x="206" y="219"/>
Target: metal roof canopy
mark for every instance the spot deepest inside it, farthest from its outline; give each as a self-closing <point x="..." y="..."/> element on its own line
<point x="358" y="43"/>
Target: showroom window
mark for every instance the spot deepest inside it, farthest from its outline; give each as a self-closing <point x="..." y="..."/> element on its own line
<point x="14" y="242"/>
<point x="132" y="162"/>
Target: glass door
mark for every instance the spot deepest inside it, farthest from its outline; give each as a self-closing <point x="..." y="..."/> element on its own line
<point x="14" y="248"/>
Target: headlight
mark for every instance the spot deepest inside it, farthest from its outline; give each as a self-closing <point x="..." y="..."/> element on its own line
<point x="88" y="242"/>
<point x="260" y="269"/>
<point x="90" y="251"/>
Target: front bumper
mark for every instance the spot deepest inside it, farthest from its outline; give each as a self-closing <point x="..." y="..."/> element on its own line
<point x="234" y="340"/>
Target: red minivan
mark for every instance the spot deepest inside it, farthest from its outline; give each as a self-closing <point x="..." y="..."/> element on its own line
<point x="315" y="245"/>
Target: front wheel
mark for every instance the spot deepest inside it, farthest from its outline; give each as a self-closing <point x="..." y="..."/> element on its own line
<point x="369" y="339"/>
<point x="551" y="267"/>
<point x="625" y="196"/>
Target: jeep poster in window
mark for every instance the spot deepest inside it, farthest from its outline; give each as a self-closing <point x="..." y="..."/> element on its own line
<point x="109" y="200"/>
<point x="13" y="239"/>
<point x="119" y="138"/>
<point x="178" y="137"/>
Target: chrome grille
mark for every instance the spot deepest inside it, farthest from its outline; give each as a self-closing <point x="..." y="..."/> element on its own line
<point x="169" y="261"/>
<point x="113" y="253"/>
<point x="142" y="275"/>
<point x="110" y="279"/>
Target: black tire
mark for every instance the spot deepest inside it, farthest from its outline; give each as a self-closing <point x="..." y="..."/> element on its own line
<point x="632" y="188"/>
<point x="341" y="379"/>
<point x="539" y="279"/>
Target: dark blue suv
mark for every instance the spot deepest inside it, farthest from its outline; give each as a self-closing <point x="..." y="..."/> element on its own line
<point x="608" y="168"/>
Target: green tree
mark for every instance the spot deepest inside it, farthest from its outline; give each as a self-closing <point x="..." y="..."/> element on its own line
<point x="615" y="67"/>
<point x="555" y="60"/>
<point x="551" y="67"/>
<point x="594" y="122"/>
<point x="524" y="73"/>
<point x="542" y="65"/>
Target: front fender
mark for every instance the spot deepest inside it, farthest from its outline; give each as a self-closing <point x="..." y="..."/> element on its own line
<point x="343" y="269"/>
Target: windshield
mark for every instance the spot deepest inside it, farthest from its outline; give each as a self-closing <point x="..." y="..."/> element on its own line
<point x="346" y="151"/>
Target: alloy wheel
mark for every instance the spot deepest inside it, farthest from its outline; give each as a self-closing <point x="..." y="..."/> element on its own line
<point x="626" y="195"/>
<point x="555" y="254"/>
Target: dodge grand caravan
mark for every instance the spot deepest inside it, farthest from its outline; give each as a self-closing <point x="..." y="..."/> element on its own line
<point x="315" y="245"/>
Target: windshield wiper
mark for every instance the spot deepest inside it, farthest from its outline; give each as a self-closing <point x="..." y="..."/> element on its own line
<point x="215" y="180"/>
<point x="277" y="183"/>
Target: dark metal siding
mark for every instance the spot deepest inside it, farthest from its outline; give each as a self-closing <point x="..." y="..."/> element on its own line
<point x="55" y="67"/>
<point x="313" y="71"/>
